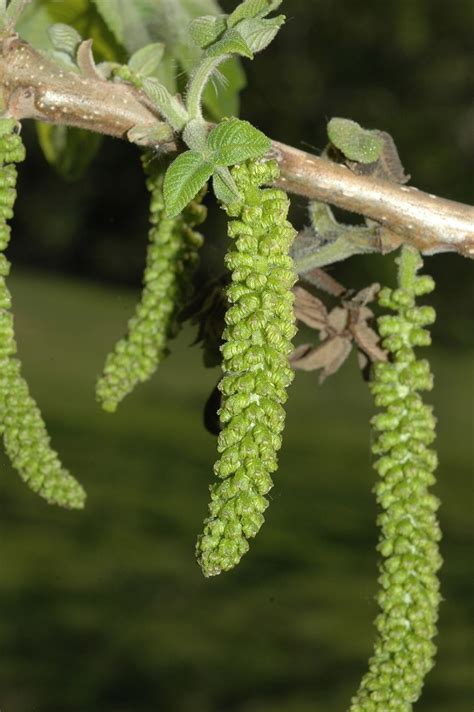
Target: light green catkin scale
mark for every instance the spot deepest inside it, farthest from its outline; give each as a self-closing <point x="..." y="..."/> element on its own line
<point x="171" y="258"/>
<point x="257" y="343"/>
<point x="26" y="440"/>
<point x="409" y="596"/>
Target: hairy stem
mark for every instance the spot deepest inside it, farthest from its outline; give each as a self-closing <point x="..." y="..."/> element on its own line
<point x="198" y="83"/>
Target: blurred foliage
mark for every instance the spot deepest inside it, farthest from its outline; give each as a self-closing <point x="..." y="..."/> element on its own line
<point x="107" y="611"/>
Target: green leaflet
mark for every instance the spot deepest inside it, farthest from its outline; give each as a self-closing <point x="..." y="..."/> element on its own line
<point x="167" y="21"/>
<point x="24" y="433"/>
<point x="46" y="23"/>
<point x="250" y="9"/>
<point x="146" y="60"/>
<point x="80" y="14"/>
<point x="126" y="19"/>
<point x="171" y="259"/>
<point x="409" y="595"/>
<point x="257" y="342"/>
<point x="354" y="142"/>
<point x="235" y="141"/>
<point x="184" y="179"/>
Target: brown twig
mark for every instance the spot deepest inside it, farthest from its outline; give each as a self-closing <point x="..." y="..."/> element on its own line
<point x="33" y="87"/>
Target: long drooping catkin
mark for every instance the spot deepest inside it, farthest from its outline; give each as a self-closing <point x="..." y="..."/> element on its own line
<point x="409" y="596"/>
<point x="171" y="258"/>
<point x="26" y="440"/>
<point x="257" y="342"/>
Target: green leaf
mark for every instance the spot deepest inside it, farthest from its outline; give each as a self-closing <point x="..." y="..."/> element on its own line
<point x="259" y="33"/>
<point x="64" y="38"/>
<point x="145" y="61"/>
<point x="167" y="104"/>
<point x="231" y="43"/>
<point x="235" y="141"/>
<point x="15" y="9"/>
<point x="357" y="144"/>
<point x="126" y="20"/>
<point x="184" y="179"/>
<point x="250" y="9"/>
<point x="225" y="188"/>
<point x="69" y="150"/>
<point x="80" y="14"/>
<point x="145" y="136"/>
<point x="207" y="29"/>
<point x="168" y="22"/>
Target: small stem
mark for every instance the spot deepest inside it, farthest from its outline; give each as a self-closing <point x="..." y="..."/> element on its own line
<point x="198" y="83"/>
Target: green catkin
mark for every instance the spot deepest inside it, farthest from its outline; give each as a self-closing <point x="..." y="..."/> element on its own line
<point x="171" y="258"/>
<point x="26" y="440"/>
<point x="409" y="596"/>
<point x="257" y="343"/>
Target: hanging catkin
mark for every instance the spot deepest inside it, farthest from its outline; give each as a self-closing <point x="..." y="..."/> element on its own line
<point x="257" y="342"/>
<point x="26" y="440"/>
<point x="171" y="258"/>
<point x="409" y="595"/>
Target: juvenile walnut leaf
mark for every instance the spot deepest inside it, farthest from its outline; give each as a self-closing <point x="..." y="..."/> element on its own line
<point x="127" y="22"/>
<point x="184" y="179"/>
<point x="250" y="9"/>
<point x="231" y="43"/>
<point x="235" y="141"/>
<point x="207" y="29"/>
<point x="258" y="34"/>
<point x="146" y="60"/>
<point x="64" y="38"/>
<point x="225" y="188"/>
<point x="353" y="141"/>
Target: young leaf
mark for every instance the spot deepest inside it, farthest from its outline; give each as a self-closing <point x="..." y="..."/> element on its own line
<point x="250" y="9"/>
<point x="15" y="9"/>
<point x="231" y="43"/>
<point x="127" y="22"/>
<point x="184" y="179"/>
<point x="64" y="38"/>
<point x="146" y="60"/>
<point x="206" y="30"/>
<point x="168" y="105"/>
<point x="225" y="188"/>
<point x="161" y="132"/>
<point x="235" y="141"/>
<point x="80" y="14"/>
<point x="259" y="33"/>
<point x="353" y="141"/>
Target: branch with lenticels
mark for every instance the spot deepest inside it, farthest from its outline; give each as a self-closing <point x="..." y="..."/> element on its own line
<point x="34" y="87"/>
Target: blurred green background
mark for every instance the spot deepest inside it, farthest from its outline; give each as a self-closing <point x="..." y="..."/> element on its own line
<point x="106" y="610"/>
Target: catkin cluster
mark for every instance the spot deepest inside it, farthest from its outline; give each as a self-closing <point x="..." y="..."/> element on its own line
<point x="409" y="596"/>
<point x="24" y="433"/>
<point x="171" y="258"/>
<point x="257" y="341"/>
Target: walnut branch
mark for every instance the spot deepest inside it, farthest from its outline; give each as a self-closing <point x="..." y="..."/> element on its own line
<point x="33" y="87"/>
